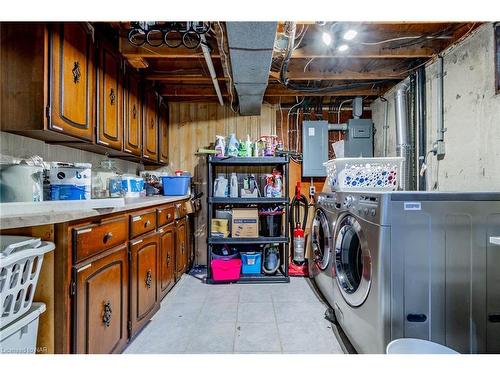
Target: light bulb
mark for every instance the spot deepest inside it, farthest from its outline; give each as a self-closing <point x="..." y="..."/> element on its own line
<point x="343" y="48"/>
<point x="327" y="38"/>
<point x="350" y="34"/>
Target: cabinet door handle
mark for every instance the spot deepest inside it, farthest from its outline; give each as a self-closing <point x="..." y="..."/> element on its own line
<point x="134" y="112"/>
<point x="169" y="215"/>
<point x="168" y="259"/>
<point x="149" y="278"/>
<point x="107" y="237"/>
<point x="152" y="124"/>
<point x="146" y="224"/>
<point x="112" y="96"/>
<point x="106" y="315"/>
<point x="76" y="72"/>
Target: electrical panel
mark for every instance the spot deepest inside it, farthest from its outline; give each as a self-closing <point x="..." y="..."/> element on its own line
<point x="359" y="138"/>
<point x="314" y="148"/>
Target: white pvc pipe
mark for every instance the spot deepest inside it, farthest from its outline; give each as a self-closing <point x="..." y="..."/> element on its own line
<point x="211" y="69"/>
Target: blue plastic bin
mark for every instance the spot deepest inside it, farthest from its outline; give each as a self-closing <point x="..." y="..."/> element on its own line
<point x="68" y="192"/>
<point x="251" y="262"/>
<point x="175" y="185"/>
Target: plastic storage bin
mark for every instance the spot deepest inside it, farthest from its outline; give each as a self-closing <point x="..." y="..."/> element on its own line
<point x="19" y="337"/>
<point x="417" y="346"/>
<point x="226" y="270"/>
<point x="175" y="185"/>
<point x="20" y="263"/>
<point x="251" y="262"/>
<point x="360" y="174"/>
<point x="270" y="223"/>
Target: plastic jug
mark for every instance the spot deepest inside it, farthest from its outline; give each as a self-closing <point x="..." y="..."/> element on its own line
<point x="234" y="186"/>
<point x="220" y="186"/>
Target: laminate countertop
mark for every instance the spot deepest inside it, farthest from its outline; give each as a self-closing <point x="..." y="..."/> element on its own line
<point x="61" y="214"/>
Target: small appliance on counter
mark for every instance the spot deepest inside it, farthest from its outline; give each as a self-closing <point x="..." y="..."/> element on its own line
<point x="69" y="181"/>
<point x="107" y="180"/>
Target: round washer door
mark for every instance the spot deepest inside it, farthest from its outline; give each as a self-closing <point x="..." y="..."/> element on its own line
<point x="352" y="261"/>
<point x="320" y="240"/>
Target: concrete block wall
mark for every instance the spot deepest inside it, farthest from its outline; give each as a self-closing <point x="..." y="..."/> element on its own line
<point x="16" y="146"/>
<point x="471" y="117"/>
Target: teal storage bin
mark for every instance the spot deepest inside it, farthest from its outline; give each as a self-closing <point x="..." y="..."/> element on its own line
<point x="251" y="262"/>
<point x="175" y="185"/>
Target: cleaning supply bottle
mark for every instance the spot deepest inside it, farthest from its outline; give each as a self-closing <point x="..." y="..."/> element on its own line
<point x="220" y="146"/>
<point x="232" y="145"/>
<point x="233" y="191"/>
<point x="248" y="145"/>
<point x="242" y="150"/>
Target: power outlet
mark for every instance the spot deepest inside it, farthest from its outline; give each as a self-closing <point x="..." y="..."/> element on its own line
<point x="312" y="190"/>
<point x="440" y="149"/>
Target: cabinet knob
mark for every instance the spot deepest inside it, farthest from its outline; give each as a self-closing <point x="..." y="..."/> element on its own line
<point x="169" y="215"/>
<point x="149" y="279"/>
<point x="106" y="315"/>
<point x="107" y="237"/>
<point x="112" y="96"/>
<point x="146" y="224"/>
<point x="76" y="72"/>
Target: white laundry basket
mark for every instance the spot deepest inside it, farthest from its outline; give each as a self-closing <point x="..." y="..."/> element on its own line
<point x="19" y="337"/>
<point x="417" y="346"/>
<point x="20" y="263"/>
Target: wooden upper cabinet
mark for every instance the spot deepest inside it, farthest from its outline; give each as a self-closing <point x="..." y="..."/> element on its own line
<point x="109" y="97"/>
<point x="163" y="132"/>
<point x="133" y="116"/>
<point x="150" y="125"/>
<point x="73" y="81"/>
<point x="101" y="303"/>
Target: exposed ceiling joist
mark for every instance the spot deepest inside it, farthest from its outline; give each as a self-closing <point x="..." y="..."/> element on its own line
<point x="166" y="77"/>
<point x="365" y="52"/>
<point x="340" y="76"/>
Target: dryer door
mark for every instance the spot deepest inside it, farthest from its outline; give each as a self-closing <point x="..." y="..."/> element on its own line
<point x="320" y="240"/>
<point x="352" y="261"/>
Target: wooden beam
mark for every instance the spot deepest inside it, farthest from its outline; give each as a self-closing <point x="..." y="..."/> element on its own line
<point x="188" y="90"/>
<point x="128" y="50"/>
<point x="138" y="62"/>
<point x="179" y="77"/>
<point x="340" y="76"/>
<point x="362" y="91"/>
<point x="365" y="52"/>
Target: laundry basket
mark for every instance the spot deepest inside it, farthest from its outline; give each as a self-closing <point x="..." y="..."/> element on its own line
<point x="360" y="174"/>
<point x="20" y="263"/>
<point x="417" y="346"/>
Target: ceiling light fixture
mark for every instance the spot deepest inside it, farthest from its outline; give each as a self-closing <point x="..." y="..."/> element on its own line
<point x="343" y="48"/>
<point x="350" y="34"/>
<point x="327" y="38"/>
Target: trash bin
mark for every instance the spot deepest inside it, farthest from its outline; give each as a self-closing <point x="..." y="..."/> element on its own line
<point x="417" y="346"/>
<point x="20" y="264"/>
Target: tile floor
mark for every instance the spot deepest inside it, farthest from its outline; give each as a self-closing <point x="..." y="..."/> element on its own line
<point x="274" y="318"/>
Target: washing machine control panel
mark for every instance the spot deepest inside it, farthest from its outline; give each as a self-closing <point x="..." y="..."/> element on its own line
<point x="367" y="207"/>
<point x="349" y="201"/>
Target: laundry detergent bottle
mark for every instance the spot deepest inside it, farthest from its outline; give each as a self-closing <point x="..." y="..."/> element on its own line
<point x="232" y="145"/>
<point x="233" y="189"/>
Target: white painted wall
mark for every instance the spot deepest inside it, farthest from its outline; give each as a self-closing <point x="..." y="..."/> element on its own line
<point x="16" y="146"/>
<point x="471" y="117"/>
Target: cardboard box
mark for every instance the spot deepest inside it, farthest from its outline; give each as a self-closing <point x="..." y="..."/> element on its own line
<point x="220" y="227"/>
<point x="245" y="222"/>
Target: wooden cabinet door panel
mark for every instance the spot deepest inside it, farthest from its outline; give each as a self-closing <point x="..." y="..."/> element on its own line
<point x="150" y="125"/>
<point x="102" y="304"/>
<point x="72" y="81"/>
<point x="110" y="119"/>
<point x="145" y="255"/>
<point x="163" y="133"/>
<point x="180" y="247"/>
<point x="167" y="258"/>
<point x="133" y="116"/>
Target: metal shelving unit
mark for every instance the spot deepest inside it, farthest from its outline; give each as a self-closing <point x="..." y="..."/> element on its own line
<point x="281" y="275"/>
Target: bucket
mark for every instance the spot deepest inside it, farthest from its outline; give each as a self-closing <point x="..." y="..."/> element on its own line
<point x="251" y="262"/>
<point x="175" y="185"/>
<point x="270" y="223"/>
<point x="225" y="253"/>
<point x="417" y="346"/>
<point x="226" y="270"/>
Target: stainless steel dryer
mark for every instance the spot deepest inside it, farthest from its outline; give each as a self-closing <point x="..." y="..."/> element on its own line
<point x="418" y="264"/>
<point x="321" y="257"/>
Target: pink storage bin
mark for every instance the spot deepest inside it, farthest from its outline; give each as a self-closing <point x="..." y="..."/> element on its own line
<point x="226" y="270"/>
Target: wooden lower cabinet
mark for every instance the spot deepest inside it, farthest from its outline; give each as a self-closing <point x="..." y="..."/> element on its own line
<point x="167" y="258"/>
<point x="144" y="277"/>
<point x="181" y="253"/>
<point x="100" y="304"/>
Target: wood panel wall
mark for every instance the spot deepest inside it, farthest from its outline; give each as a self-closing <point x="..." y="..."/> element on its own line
<point x="193" y="126"/>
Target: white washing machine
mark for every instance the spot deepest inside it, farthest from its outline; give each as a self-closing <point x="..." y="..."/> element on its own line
<point x="418" y="265"/>
<point x="321" y="256"/>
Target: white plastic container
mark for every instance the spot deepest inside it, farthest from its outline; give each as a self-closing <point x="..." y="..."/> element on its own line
<point x="20" y="264"/>
<point x="70" y="181"/>
<point x="362" y="174"/>
<point x="417" y="346"/>
<point x="19" y="337"/>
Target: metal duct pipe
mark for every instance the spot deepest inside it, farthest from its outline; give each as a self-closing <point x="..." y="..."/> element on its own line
<point x="439" y="147"/>
<point x="211" y="69"/>
<point x="421" y="124"/>
<point x="385" y="127"/>
<point x="401" y="113"/>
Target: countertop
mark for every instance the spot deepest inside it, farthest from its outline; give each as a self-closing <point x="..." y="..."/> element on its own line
<point x="54" y="217"/>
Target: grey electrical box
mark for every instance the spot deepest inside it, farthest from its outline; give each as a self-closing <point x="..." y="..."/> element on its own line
<point x="359" y="138"/>
<point x="314" y="148"/>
